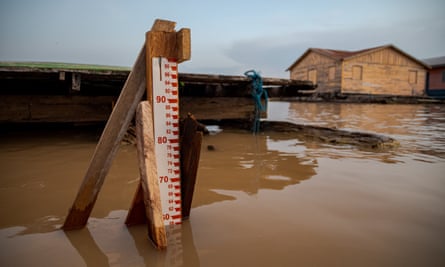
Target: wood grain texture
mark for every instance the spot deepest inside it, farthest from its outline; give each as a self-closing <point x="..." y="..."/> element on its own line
<point x="149" y="176"/>
<point x="191" y="141"/>
<point x="108" y="145"/>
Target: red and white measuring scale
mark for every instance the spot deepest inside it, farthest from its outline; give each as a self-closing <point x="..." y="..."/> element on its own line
<point x="166" y="133"/>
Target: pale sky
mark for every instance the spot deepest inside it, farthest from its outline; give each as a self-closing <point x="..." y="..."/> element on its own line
<point x="228" y="36"/>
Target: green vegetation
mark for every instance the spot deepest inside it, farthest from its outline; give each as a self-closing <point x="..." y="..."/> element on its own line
<point x="62" y="66"/>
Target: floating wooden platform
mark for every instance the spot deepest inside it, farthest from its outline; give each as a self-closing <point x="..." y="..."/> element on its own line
<point x="60" y="92"/>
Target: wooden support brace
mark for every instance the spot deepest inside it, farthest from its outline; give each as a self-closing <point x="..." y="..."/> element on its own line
<point x="108" y="145"/>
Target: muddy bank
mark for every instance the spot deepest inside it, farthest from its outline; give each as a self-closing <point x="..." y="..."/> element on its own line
<point x="363" y="98"/>
<point x="329" y="135"/>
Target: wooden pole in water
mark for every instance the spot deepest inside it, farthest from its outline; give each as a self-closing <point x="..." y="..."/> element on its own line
<point x="190" y="153"/>
<point x="161" y="41"/>
<point x="149" y="175"/>
<point x="108" y="145"/>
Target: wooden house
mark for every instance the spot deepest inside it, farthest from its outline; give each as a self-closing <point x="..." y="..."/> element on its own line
<point x="436" y="76"/>
<point x="383" y="70"/>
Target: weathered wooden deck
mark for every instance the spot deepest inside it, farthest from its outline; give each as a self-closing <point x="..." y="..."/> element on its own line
<point x="60" y="92"/>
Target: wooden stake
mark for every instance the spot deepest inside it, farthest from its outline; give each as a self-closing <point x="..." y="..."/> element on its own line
<point x="161" y="41"/>
<point x="190" y="153"/>
<point x="149" y="176"/>
<point x="108" y="145"/>
<point x="136" y="214"/>
<point x="191" y="140"/>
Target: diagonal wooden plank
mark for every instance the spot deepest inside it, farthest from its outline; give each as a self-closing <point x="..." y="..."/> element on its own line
<point x="108" y="145"/>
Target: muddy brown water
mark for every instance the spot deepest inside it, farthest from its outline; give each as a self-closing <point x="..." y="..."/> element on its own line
<point x="264" y="200"/>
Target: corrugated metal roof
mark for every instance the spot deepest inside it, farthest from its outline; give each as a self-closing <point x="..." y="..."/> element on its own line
<point x="435" y="61"/>
<point x="342" y="54"/>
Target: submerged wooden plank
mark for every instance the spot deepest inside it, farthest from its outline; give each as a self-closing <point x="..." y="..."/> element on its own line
<point x="108" y="145"/>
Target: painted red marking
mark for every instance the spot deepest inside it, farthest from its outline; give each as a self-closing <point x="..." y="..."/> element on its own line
<point x="172" y="100"/>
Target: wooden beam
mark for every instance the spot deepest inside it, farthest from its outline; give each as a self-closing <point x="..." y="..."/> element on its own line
<point x="55" y="108"/>
<point x="136" y="214"/>
<point x="149" y="176"/>
<point x="163" y="41"/>
<point x="183" y="44"/>
<point x="161" y="25"/>
<point x="108" y="145"/>
<point x="216" y="108"/>
<point x="190" y="153"/>
<point x="228" y="79"/>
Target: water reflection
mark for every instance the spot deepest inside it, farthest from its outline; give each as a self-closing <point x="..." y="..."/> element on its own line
<point x="419" y="128"/>
<point x="42" y="172"/>
<point x="245" y="162"/>
<point x="181" y="250"/>
<point x="339" y="200"/>
<point x="83" y="242"/>
<point x="108" y="242"/>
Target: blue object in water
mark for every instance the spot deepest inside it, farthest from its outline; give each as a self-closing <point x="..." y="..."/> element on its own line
<point x="257" y="93"/>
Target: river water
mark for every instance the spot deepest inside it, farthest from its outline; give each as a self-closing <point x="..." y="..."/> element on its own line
<point x="264" y="200"/>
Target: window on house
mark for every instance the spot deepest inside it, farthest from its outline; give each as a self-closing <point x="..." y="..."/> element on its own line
<point x="412" y="78"/>
<point x="312" y="76"/>
<point x="331" y="75"/>
<point x="357" y="72"/>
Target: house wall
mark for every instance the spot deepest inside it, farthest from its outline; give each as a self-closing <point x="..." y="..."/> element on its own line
<point x="319" y="69"/>
<point x="436" y="79"/>
<point x="384" y="72"/>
